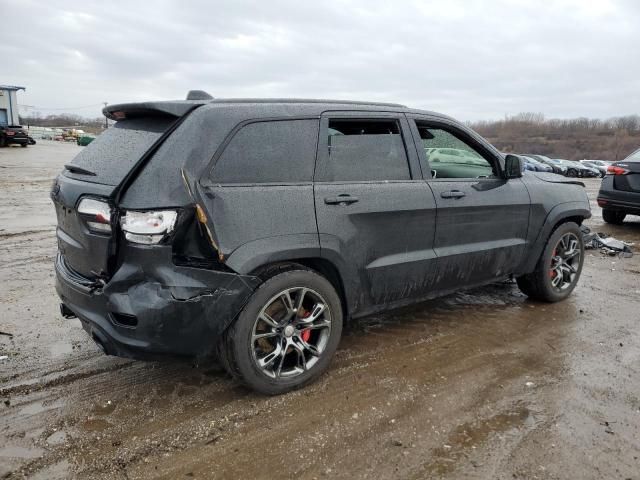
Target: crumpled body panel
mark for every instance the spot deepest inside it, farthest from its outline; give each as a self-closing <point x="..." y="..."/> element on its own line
<point x="176" y="310"/>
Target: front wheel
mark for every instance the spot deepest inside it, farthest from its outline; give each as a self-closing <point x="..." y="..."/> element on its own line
<point x="571" y="173"/>
<point x="286" y="335"/>
<point x="559" y="267"/>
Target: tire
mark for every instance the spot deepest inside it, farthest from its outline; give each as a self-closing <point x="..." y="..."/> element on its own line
<point x="240" y="352"/>
<point x="23" y="145"/>
<point x="3" y="142"/>
<point x="571" y="173"/>
<point x="614" y="217"/>
<point x="539" y="284"/>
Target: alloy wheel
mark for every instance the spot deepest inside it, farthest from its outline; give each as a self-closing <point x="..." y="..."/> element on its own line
<point x="565" y="262"/>
<point x="291" y="332"/>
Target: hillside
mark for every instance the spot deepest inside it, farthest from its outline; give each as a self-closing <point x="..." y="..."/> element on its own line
<point x="571" y="139"/>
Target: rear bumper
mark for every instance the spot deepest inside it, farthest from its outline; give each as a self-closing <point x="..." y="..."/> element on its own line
<point x="618" y="200"/>
<point x="632" y="208"/>
<point x="16" y="140"/>
<point x="154" y="308"/>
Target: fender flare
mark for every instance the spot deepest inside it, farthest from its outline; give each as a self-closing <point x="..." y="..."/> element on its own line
<point x="557" y="214"/>
<point x="263" y="251"/>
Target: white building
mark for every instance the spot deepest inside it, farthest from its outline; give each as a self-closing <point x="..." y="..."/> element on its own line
<point x="9" y="105"/>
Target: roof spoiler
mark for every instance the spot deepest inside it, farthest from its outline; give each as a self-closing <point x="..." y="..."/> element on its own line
<point x="148" y="109"/>
<point x="176" y="108"/>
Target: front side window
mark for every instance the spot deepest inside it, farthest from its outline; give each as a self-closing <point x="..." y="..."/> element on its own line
<point x="364" y="150"/>
<point x="449" y="157"/>
<point x="281" y="151"/>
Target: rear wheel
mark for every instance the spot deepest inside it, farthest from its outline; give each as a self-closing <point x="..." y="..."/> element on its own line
<point x="613" y="216"/>
<point x="3" y="142"/>
<point x="558" y="268"/>
<point x="23" y="145"/>
<point x="286" y="335"/>
<point x="572" y="173"/>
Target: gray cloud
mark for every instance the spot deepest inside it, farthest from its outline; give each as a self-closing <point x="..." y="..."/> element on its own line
<point x="470" y="59"/>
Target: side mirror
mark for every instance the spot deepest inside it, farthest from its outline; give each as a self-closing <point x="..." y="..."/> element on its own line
<point x="513" y="166"/>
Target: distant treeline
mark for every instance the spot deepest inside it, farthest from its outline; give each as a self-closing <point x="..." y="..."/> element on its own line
<point x="571" y="139"/>
<point x="93" y="125"/>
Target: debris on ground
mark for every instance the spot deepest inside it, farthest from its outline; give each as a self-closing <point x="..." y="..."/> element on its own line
<point x="607" y="244"/>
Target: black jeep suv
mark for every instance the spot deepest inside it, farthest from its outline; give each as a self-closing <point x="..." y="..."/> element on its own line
<point x="251" y="230"/>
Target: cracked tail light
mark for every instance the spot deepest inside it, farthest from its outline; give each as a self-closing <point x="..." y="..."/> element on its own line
<point x="148" y="228"/>
<point x="96" y="215"/>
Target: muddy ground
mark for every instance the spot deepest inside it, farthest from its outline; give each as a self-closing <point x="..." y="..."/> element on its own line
<point x="481" y="384"/>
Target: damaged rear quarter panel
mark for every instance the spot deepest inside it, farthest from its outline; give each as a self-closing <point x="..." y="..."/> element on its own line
<point x="179" y="309"/>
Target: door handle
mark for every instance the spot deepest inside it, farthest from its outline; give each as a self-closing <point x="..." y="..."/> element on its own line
<point x="342" y="199"/>
<point x="453" y="194"/>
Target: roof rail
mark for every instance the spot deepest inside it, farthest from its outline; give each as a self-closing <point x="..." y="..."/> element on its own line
<point x="306" y="100"/>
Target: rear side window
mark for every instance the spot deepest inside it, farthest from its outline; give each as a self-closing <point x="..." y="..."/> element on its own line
<point x="365" y="150"/>
<point x="282" y="151"/>
<point x="112" y="155"/>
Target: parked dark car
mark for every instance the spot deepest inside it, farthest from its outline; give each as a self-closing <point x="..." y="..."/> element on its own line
<point x="13" y="134"/>
<point x="576" y="169"/>
<point x="602" y="170"/>
<point x="619" y="193"/>
<point x="527" y="166"/>
<point x="538" y="166"/>
<point x="279" y="220"/>
<point x="555" y="165"/>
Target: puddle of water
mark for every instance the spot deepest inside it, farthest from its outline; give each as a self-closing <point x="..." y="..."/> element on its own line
<point x="12" y="451"/>
<point x="473" y="434"/>
<point x="104" y="408"/>
<point x="95" y="424"/>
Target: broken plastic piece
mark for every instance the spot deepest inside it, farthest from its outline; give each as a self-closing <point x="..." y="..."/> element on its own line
<point x="606" y="244"/>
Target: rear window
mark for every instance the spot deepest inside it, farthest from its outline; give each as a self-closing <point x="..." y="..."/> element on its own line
<point x="113" y="153"/>
<point x="279" y="151"/>
<point x="634" y="157"/>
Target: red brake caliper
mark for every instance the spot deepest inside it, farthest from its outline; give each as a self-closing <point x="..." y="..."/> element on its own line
<point x="306" y="334"/>
<point x="552" y="272"/>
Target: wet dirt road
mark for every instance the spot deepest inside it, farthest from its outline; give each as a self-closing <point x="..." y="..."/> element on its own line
<point x="481" y="384"/>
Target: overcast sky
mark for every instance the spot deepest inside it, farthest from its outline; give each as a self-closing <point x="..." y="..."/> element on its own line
<point x="470" y="59"/>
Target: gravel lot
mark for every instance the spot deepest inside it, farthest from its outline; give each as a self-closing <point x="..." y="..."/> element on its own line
<point x="480" y="384"/>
